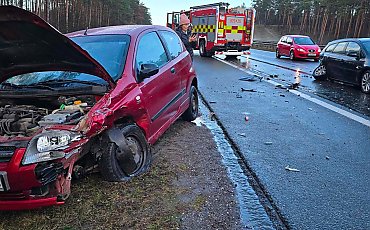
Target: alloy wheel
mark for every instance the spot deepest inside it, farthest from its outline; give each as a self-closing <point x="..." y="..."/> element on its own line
<point x="320" y="71"/>
<point x="365" y="82"/>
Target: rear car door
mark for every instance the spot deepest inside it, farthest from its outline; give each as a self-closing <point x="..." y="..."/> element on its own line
<point x="352" y="65"/>
<point x="335" y="64"/>
<point x="159" y="90"/>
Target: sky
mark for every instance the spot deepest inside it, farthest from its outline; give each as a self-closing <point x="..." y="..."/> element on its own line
<point x="159" y="8"/>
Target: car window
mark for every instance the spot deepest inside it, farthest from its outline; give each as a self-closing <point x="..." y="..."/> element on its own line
<point x="353" y="47"/>
<point x="289" y="40"/>
<point x="303" y="41"/>
<point x="283" y="39"/>
<point x="173" y="43"/>
<point x="150" y="51"/>
<point x="340" y="48"/>
<point x="330" y="48"/>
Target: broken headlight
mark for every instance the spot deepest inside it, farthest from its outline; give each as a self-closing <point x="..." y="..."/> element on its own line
<point x="48" y="146"/>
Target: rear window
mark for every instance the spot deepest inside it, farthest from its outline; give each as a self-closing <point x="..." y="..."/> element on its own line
<point x="303" y="41"/>
<point x="340" y="48"/>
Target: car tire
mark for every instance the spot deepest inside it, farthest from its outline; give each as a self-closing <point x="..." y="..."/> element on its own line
<point x="202" y="48"/>
<point x="191" y="113"/>
<point x="277" y="54"/>
<point x="365" y="82"/>
<point x="320" y="73"/>
<point x="291" y="55"/>
<point x="117" y="166"/>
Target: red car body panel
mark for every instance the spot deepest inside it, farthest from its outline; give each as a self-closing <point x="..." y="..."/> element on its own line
<point x="300" y="51"/>
<point x="153" y="104"/>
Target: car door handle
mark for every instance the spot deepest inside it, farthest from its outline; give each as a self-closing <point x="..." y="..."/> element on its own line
<point x="173" y="70"/>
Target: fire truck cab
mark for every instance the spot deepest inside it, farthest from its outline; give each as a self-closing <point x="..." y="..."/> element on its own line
<point x="219" y="30"/>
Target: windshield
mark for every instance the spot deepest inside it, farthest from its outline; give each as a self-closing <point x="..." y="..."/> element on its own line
<point x="367" y="46"/>
<point x="109" y="50"/>
<point x="303" y="41"/>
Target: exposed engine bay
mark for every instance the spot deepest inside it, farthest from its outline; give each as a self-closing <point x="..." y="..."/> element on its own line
<point x="23" y="117"/>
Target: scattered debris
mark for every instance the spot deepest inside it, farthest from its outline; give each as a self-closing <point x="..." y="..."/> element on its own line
<point x="310" y="109"/>
<point x="327" y="157"/>
<point x="249" y="78"/>
<point x="293" y="86"/>
<point x="242" y="134"/>
<point x="282" y="95"/>
<point x="212" y="116"/>
<point x="248" y="90"/>
<point x="268" y="143"/>
<point x="212" y="102"/>
<point x="287" y="101"/>
<point x="280" y="87"/>
<point x="291" y="169"/>
<point x="238" y="96"/>
<point x="246" y="118"/>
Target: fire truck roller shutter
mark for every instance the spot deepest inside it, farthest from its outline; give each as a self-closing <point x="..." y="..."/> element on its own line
<point x="195" y="22"/>
<point x="211" y="30"/>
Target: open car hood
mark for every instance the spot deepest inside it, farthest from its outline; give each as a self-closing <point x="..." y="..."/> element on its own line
<point x="29" y="44"/>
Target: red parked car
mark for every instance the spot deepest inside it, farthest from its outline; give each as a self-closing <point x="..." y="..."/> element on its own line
<point x="297" y="47"/>
<point x="98" y="97"/>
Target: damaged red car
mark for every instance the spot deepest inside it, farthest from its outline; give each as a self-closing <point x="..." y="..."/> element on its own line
<point x="93" y="98"/>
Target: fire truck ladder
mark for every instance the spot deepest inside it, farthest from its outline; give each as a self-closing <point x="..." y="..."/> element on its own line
<point x="220" y="4"/>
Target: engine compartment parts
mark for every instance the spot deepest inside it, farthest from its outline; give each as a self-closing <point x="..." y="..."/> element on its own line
<point x="22" y="118"/>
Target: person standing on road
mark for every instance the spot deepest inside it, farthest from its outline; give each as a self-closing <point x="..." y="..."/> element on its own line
<point x="183" y="33"/>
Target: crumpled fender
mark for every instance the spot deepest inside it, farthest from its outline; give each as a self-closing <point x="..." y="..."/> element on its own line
<point x="122" y="102"/>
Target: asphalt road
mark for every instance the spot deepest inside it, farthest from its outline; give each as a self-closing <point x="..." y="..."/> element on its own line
<point x="331" y="151"/>
<point x="265" y="63"/>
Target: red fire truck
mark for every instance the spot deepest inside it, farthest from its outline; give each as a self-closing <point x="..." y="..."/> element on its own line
<point x="219" y="29"/>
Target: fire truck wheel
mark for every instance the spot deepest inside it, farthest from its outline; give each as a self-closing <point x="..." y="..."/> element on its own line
<point x="202" y="48"/>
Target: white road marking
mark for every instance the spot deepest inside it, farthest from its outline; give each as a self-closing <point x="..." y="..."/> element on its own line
<point x="324" y="104"/>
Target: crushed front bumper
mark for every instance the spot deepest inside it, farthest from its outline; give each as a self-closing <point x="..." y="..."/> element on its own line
<point x="28" y="204"/>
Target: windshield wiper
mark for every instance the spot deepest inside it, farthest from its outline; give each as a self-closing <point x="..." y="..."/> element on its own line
<point x="33" y="86"/>
<point x="61" y="81"/>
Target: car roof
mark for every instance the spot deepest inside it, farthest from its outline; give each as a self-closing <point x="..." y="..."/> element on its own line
<point x="296" y="36"/>
<point x="351" y="40"/>
<point x="122" y="29"/>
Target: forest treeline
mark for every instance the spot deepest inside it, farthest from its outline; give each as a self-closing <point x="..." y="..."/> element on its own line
<point x="73" y="15"/>
<point x="323" y="20"/>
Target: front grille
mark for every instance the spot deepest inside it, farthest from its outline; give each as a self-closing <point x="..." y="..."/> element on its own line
<point x="312" y="51"/>
<point x="6" y="153"/>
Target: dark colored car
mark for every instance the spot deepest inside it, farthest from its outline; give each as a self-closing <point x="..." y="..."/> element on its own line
<point x="297" y="47"/>
<point x="346" y="60"/>
<point x="98" y="97"/>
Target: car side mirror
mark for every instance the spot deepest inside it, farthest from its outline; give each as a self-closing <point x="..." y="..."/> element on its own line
<point x="353" y="54"/>
<point x="147" y="70"/>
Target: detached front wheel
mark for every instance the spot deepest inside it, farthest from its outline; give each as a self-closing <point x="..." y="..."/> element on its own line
<point x="127" y="154"/>
<point x="191" y="113"/>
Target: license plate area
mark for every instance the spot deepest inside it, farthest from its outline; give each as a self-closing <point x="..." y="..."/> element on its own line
<point x="4" y="184"/>
<point x="312" y="55"/>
